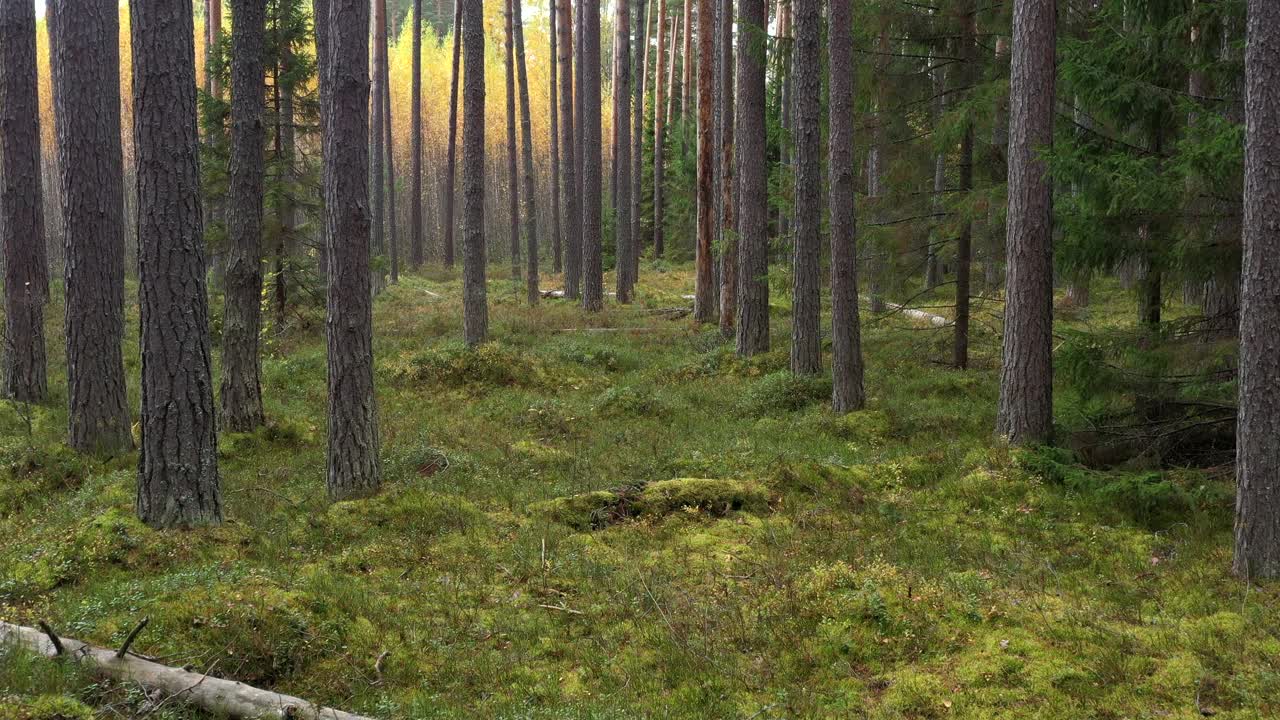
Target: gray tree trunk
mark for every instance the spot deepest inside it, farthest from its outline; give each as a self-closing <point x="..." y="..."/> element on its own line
<point x="592" y="174"/>
<point x="1026" y="378"/>
<point x="659" y="133"/>
<point x="728" y="180"/>
<point x="377" y="170"/>
<point x="964" y="245"/>
<point x="623" y="239"/>
<point x="806" y="300"/>
<point x="554" y="108"/>
<point x="846" y="334"/>
<point x="354" y="467"/>
<point x="572" y="218"/>
<point x="526" y="151"/>
<point x="513" y="177"/>
<point x="320" y="27"/>
<point x="21" y="212"/>
<point x="415" y="131"/>
<point x="178" y="483"/>
<point x="644" y="11"/>
<point x="1257" y="527"/>
<point x="85" y="59"/>
<point x="451" y="163"/>
<point x="475" y="303"/>
<point x="753" y="241"/>
<point x="241" y="394"/>
<point x="704" y="293"/>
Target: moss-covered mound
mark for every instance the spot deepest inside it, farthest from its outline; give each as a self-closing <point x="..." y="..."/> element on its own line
<point x="593" y="510"/>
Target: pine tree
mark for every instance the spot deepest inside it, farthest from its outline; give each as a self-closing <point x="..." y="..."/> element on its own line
<point x="554" y="109"/>
<point x="846" y="342"/>
<point x="623" y="239"/>
<point x="704" y="299"/>
<point x="806" y="304"/>
<point x="86" y="88"/>
<point x="571" y="218"/>
<point x="178" y="483"/>
<point x="475" y="304"/>
<point x="728" y="180"/>
<point x="415" y="163"/>
<point x="513" y="177"/>
<point x="451" y="165"/>
<point x="592" y="167"/>
<point x="526" y="153"/>
<point x="659" y="135"/>
<point x="749" y="133"/>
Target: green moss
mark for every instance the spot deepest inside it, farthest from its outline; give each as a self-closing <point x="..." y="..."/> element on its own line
<point x="632" y="401"/>
<point x="914" y="694"/>
<point x="44" y="707"/>
<point x="491" y="365"/>
<point x="585" y="511"/>
<point x="784" y="391"/>
<point x="717" y="497"/>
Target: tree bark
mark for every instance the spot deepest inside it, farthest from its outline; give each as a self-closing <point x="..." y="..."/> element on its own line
<point x="513" y="177"/>
<point x="1026" y="377"/>
<point x="658" y="133"/>
<point x="475" y="303"/>
<point x="178" y="484"/>
<point x="846" y="335"/>
<point x="526" y="134"/>
<point x="1257" y="526"/>
<point x="964" y="246"/>
<point x="554" y="109"/>
<point x="85" y="63"/>
<point x="574" y="284"/>
<point x="415" y="130"/>
<point x="753" y="248"/>
<point x="384" y="106"/>
<point x="242" y="322"/>
<point x="644" y="12"/>
<point x="451" y="163"/>
<point x="991" y="275"/>
<point x="377" y="179"/>
<point x="592" y="167"/>
<point x="21" y="210"/>
<point x="877" y="266"/>
<point x="728" y="187"/>
<point x="704" y="299"/>
<point x="623" y="239"/>
<point x="686" y="56"/>
<point x="572" y="219"/>
<point x="320" y="28"/>
<point x="354" y="467"/>
<point x="806" y="303"/>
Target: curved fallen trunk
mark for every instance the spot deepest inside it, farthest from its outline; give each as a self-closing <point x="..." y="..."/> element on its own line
<point x="215" y="695"/>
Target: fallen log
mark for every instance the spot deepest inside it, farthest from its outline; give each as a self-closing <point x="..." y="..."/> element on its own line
<point x="214" y="695"/>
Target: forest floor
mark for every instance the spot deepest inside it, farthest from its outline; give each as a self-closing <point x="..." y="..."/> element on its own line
<point x="605" y="516"/>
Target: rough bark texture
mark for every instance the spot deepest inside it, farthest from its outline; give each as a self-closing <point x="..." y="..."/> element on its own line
<point x="320" y="28"/>
<point x="933" y="267"/>
<point x="384" y="106"/>
<point x="877" y="266"/>
<point x="526" y="153"/>
<point x="415" y="131"/>
<point x="1257" y="528"/>
<point x="86" y="94"/>
<point x="686" y="55"/>
<point x="1026" y="377"/>
<point x="592" y="175"/>
<point x="846" y="334"/>
<point x="377" y="171"/>
<point x="222" y="698"/>
<point x="644" y="10"/>
<point x="475" y="302"/>
<point x="573" y="274"/>
<point x="354" y="468"/>
<point x="554" y="109"/>
<point x="572" y="219"/>
<point x="728" y="186"/>
<point x="753" y="242"/>
<point x="991" y="275"/>
<point x="658" y="132"/>
<point x="622" y="237"/>
<point x="451" y="162"/>
<point x="964" y="245"/>
<point x="241" y="394"/>
<point x="513" y="177"/>
<point x="178" y="466"/>
<point x="21" y="212"/>
<point x="806" y="302"/>
<point x="704" y="291"/>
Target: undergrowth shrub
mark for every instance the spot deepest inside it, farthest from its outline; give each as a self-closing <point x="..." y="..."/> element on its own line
<point x="784" y="392"/>
<point x="632" y="401"/>
<point x="454" y="365"/>
<point x="27" y="473"/>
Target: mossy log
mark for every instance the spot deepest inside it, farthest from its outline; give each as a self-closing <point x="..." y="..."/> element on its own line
<point x="224" y="698"/>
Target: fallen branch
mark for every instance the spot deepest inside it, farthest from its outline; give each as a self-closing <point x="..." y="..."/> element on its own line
<point x="214" y="695"/>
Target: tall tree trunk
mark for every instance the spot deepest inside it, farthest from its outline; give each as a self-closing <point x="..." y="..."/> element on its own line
<point x="673" y="78"/>
<point x="623" y="239"/>
<point x="320" y="27"/>
<point x="354" y="467"/>
<point x="846" y="333"/>
<point x="526" y="134"/>
<point x="377" y="170"/>
<point x="451" y="163"/>
<point x="513" y="178"/>
<point x="241" y="394"/>
<point x="964" y="246"/>
<point x="878" y="266"/>
<point x="933" y="266"/>
<point x="637" y="140"/>
<point x="213" y="31"/>
<point x="1257" y="527"/>
<point x="85" y="63"/>
<point x="686" y="57"/>
<point x="178" y="482"/>
<point x="574" y="283"/>
<point x="1026" y="377"/>
<point x="392" y="218"/>
<point x="806" y="303"/>
<point x="572" y="219"/>
<point x="704" y="296"/>
<point x="415" y="130"/>
<point x="753" y="247"/>
<point x="784" y="95"/>
<point x="659" y="215"/>
<point x="21" y="210"/>
<point x="991" y="275"/>
<point x="592" y="175"/>
<point x="728" y="187"/>
<point x="554" y="107"/>
<point x="475" y="303"/>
